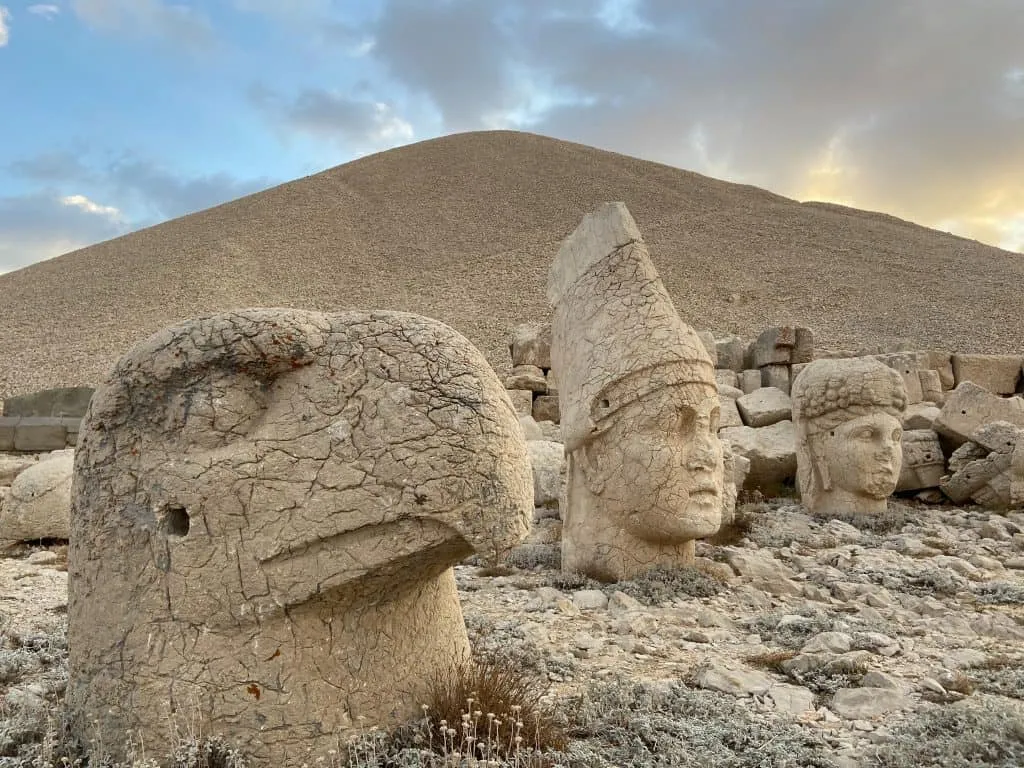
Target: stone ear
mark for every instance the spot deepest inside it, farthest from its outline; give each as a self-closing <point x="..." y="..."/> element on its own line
<point x="591" y="460"/>
<point x="820" y="465"/>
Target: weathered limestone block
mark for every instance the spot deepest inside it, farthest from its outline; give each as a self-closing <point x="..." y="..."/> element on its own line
<point x="765" y="406"/>
<point x="776" y="376"/>
<point x="941" y="361"/>
<point x="920" y="416"/>
<point x="531" y="429"/>
<point x="639" y="404"/>
<point x="39" y="504"/>
<point x="522" y="401"/>
<point x="750" y="380"/>
<point x="40" y="433"/>
<point x="932" y="390"/>
<point x="546" y="408"/>
<point x="266" y="507"/>
<point x="527" y="377"/>
<point x="551" y="380"/>
<point x="969" y="406"/>
<point x="7" y="426"/>
<point x="999" y="374"/>
<point x="729" y="415"/>
<point x="771" y="452"/>
<point x="12" y="466"/>
<point x="57" y="402"/>
<point x="731" y="352"/>
<point x="848" y="416"/>
<point x="530" y="344"/>
<point x="965" y="454"/>
<point x="783" y="345"/>
<point x="730" y="392"/>
<point x="909" y="365"/>
<point x="923" y="461"/>
<point x="998" y="436"/>
<point x="547" y="461"/>
<point x="727" y="378"/>
<point x="980" y="480"/>
<point x="989" y="469"/>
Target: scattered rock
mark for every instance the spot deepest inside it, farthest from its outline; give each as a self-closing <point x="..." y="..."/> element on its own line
<point x="866" y="703"/>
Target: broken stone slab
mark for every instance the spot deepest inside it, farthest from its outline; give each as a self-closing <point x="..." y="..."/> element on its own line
<point x="783" y="345"/>
<point x="771" y="452"/>
<point x="547" y="461"/>
<point x="729" y="414"/>
<point x="973" y="478"/>
<point x="726" y="378"/>
<point x="527" y="377"/>
<point x="998" y="436"/>
<point x="522" y="401"/>
<point x="791" y="700"/>
<point x="867" y="703"/>
<point x="545" y="408"/>
<point x="908" y="364"/>
<point x="51" y="403"/>
<point x="777" y="376"/>
<point x="733" y="393"/>
<point x="965" y="454"/>
<point x="924" y="464"/>
<point x="734" y="681"/>
<point x="920" y="416"/>
<point x="750" y="380"/>
<point x="551" y="379"/>
<point x="757" y="565"/>
<point x="931" y="387"/>
<point x="530" y="344"/>
<point x="941" y="362"/>
<point x="731" y="351"/>
<point x="999" y="374"/>
<point x="765" y="406"/>
<point x="707" y="338"/>
<point x="970" y="406"/>
<point x="39" y="503"/>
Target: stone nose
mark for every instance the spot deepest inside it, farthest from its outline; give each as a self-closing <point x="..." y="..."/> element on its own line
<point x="702" y="454"/>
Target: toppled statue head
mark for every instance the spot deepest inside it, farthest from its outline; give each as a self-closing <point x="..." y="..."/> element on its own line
<point x="266" y="508"/>
<point x="848" y="417"/>
<point x="639" y="407"/>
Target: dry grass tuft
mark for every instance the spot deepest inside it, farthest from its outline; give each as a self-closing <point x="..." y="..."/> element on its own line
<point x="771" y="660"/>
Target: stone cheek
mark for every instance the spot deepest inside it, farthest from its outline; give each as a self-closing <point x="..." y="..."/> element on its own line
<point x="267" y="505"/>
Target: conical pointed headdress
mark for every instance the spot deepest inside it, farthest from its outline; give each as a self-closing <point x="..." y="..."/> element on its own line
<point x="616" y="336"/>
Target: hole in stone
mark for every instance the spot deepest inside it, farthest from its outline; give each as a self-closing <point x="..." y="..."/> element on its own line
<point x="927" y="457"/>
<point x="963" y="413"/>
<point x="605" y="403"/>
<point x="175" y="521"/>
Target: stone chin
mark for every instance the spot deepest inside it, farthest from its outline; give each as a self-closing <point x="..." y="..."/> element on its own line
<point x="701" y="516"/>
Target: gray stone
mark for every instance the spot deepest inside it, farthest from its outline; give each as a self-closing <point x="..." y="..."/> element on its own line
<point x="908" y="364"/>
<point x="531" y="429"/>
<point x="527" y="377"/>
<point x="522" y="401"/>
<point x="733" y="393"/>
<point x="547" y="461"/>
<point x="551" y="380"/>
<point x="969" y="406"/>
<point x="729" y="414"/>
<point x="828" y="642"/>
<point x="783" y="345"/>
<point x="545" y="408"/>
<point x="731" y="351"/>
<point x="920" y="416"/>
<point x="867" y="703"/>
<point x="530" y="344"/>
<point x="620" y="603"/>
<point x="750" y="380"/>
<point x="998" y="436"/>
<point x="12" y="466"/>
<point x="771" y="451"/>
<point x="757" y="565"/>
<point x="725" y="377"/>
<point x="765" y="406"/>
<point x="777" y="376"/>
<point x="39" y="433"/>
<point x="791" y="700"/>
<point x="39" y="504"/>
<point x="941" y="362"/>
<point x="590" y="599"/>
<point x="61" y="401"/>
<point x="931" y="386"/>
<point x="707" y="338"/>
<point x="923" y="461"/>
<point x="876" y="679"/>
<point x="999" y="374"/>
<point x="734" y="681"/>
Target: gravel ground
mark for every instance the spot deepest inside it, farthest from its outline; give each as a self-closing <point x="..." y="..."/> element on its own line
<point x="464" y="228"/>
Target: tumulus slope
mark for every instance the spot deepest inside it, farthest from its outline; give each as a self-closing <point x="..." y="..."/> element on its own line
<point x="463" y="229"/>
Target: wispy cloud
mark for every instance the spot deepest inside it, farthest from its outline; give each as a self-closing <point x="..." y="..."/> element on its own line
<point x="179" y="24"/>
<point x="5" y="30"/>
<point x="45" y="10"/>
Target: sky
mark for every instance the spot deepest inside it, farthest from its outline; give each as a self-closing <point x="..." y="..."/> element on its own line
<point x="119" y="114"/>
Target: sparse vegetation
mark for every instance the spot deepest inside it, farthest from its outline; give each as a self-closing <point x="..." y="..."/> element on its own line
<point x="1001" y="674"/>
<point x="790" y="630"/>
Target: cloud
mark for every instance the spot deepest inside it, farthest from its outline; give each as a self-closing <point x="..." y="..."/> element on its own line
<point x="914" y="107"/>
<point x="52" y="167"/>
<point x="179" y="24"/>
<point x="45" y="224"/>
<point x="45" y="10"/>
<point x="360" y="125"/>
<point x="5" y="30"/>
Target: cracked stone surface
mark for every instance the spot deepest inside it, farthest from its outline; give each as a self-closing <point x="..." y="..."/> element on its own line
<point x="848" y="416"/>
<point x="266" y="508"/>
<point x="639" y="407"/>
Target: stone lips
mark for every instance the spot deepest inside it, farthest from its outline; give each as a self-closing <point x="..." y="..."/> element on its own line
<point x="266" y="506"/>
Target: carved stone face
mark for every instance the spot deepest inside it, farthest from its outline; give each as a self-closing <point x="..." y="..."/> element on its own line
<point x="657" y="469"/>
<point x="862" y="456"/>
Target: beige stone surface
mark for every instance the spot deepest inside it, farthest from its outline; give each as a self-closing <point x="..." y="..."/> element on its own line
<point x="848" y="416"/>
<point x="522" y="401"/>
<point x="530" y="344"/>
<point x="932" y="390"/>
<point x="771" y="452"/>
<point x="39" y="502"/>
<point x="526" y="377"/>
<point x="923" y="461"/>
<point x="999" y="374"/>
<point x="545" y="408"/>
<point x="941" y="362"/>
<point x="765" y="406"/>
<point x="969" y="406"/>
<point x="920" y="416"/>
<point x="909" y="365"/>
<point x="267" y="505"/>
<point x="11" y="466"/>
<point x="639" y="407"/>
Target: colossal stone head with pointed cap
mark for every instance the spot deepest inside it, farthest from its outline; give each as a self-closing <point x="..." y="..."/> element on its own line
<point x="848" y="418"/>
<point x="266" y="508"/>
<point x="639" y="407"/>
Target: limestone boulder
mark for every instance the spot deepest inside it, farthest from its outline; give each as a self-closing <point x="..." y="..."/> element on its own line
<point x="999" y="374"/>
<point x="920" y="416"/>
<point x="546" y="408"/>
<point x="970" y="406"/>
<point x="527" y="377"/>
<point x="39" y="503"/>
<point x="12" y="466"/>
<point x="522" y="401"/>
<point x="932" y="390"/>
<point x="923" y="461"/>
<point x="729" y="414"/>
<point x="941" y="362"/>
<point x="531" y="429"/>
<point x="909" y="365"/>
<point x="771" y="452"/>
<point x="765" y="406"/>
<point x="731" y="352"/>
<point x="726" y="378"/>
<point x="750" y="380"/>
<point x="530" y="344"/>
<point x="777" y="376"/>
<point x="267" y="507"/>
<point x="989" y="469"/>
<point x="707" y="338"/>
<point x="547" y="460"/>
<point x="783" y="345"/>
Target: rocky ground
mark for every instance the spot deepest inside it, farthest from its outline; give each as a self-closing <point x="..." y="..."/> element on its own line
<point x="794" y="641"/>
